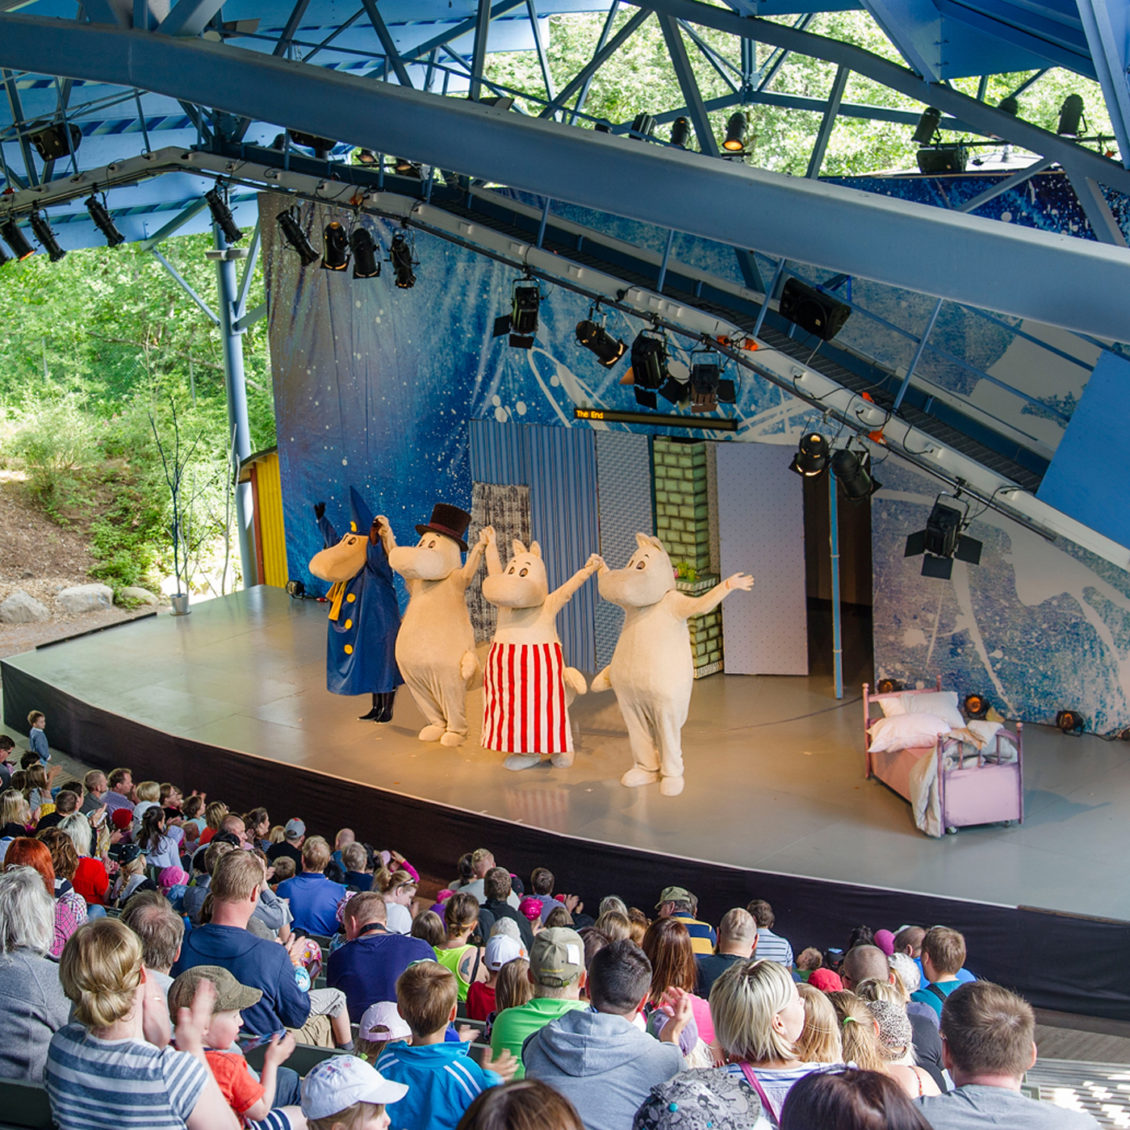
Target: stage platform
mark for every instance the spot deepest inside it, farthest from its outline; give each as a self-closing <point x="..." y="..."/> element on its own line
<point x="231" y="699"/>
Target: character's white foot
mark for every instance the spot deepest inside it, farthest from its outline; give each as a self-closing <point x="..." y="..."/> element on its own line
<point x="430" y="734"/>
<point x="562" y="760"/>
<point x="671" y="786"/>
<point x="637" y="776"/>
<point x="451" y="738"/>
<point x="519" y="761"/>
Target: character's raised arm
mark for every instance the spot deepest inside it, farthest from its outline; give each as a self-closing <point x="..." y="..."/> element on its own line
<point x="685" y="606"/>
<point x="562" y="595"/>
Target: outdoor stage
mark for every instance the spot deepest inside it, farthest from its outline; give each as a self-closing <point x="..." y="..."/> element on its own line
<point x="231" y="699"/>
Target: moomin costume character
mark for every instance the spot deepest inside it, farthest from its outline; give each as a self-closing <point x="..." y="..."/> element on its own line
<point x="364" y="614"/>
<point x="436" y="645"/>
<point x="652" y="669"/>
<point x="527" y="687"/>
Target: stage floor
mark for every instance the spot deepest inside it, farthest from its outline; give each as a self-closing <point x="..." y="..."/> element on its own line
<point x="774" y="764"/>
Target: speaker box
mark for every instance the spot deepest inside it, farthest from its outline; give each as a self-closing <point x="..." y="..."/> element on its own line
<point x="812" y="310"/>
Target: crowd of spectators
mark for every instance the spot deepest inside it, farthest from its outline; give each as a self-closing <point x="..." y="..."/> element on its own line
<point x="151" y="942"/>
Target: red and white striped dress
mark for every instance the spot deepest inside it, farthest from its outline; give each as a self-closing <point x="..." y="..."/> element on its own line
<point x="524" y="699"/>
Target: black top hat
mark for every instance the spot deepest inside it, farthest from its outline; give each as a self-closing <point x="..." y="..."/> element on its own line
<point x="449" y="521"/>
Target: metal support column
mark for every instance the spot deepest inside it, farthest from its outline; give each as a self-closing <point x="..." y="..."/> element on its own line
<point x="834" y="553"/>
<point x="237" y="402"/>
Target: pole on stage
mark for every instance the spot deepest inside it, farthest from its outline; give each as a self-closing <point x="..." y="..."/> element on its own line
<point x="834" y="550"/>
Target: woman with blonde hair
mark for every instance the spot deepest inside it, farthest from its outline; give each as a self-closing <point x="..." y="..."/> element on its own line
<point x="102" y="1072"/>
<point x="819" y="1041"/>
<point x="460" y="917"/>
<point x="758" y="1018"/>
<point x="399" y="890"/>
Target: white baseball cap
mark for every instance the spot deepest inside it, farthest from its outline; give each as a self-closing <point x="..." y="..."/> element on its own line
<point x="501" y="949"/>
<point x="381" y="1021"/>
<point x="341" y="1081"/>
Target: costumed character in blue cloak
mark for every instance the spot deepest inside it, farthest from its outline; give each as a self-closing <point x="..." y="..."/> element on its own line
<point x="364" y="614"/>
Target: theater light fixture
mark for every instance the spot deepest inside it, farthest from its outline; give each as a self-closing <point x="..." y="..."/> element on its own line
<point x="643" y="125"/>
<point x="811" y="458"/>
<point x="676" y="388"/>
<point x="335" y="251"/>
<point x="680" y="132"/>
<point x="46" y="236"/>
<point x="736" y="129"/>
<point x="522" y="321"/>
<point x="1070" y="117"/>
<point x="367" y="158"/>
<point x="221" y="215"/>
<point x="405" y="168"/>
<point x="853" y="473"/>
<point x="400" y="255"/>
<point x="649" y="367"/>
<point x="975" y="706"/>
<point x="598" y="341"/>
<point x="103" y="221"/>
<point x="1009" y="105"/>
<point x="708" y="386"/>
<point x="942" y="541"/>
<point x="926" y="131"/>
<point x="888" y="686"/>
<point x="1070" y="722"/>
<point x="296" y="237"/>
<point x="16" y="239"/>
<point x="320" y="145"/>
<point x="366" y="265"/>
<point x="51" y="141"/>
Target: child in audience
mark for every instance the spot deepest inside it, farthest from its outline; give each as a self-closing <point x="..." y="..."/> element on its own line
<point x="819" y="1041"/>
<point x="381" y="1025"/>
<point x="345" y="1093"/>
<point x="501" y="948"/>
<point x="249" y="1097"/>
<point x="808" y="960"/>
<point x="36" y="738"/>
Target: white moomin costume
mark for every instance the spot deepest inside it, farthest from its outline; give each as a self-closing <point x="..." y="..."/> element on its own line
<point x="527" y="687"/>
<point x="435" y="648"/>
<point x="652" y="670"/>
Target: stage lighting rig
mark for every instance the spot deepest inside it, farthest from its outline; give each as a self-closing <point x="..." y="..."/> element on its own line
<point x="402" y="260"/>
<point x="103" y="221"/>
<point x="16" y="239"/>
<point x="708" y="386"/>
<point x="335" y="254"/>
<point x="1070" y="122"/>
<point x="221" y="215"/>
<point x="811" y="458"/>
<point x="522" y="321"/>
<point x="366" y="265"/>
<point x="736" y="129"/>
<point x="296" y="237"/>
<point x="887" y="686"/>
<point x="46" y="236"/>
<point x="680" y="132"/>
<point x="942" y="541"/>
<point x="853" y="473"/>
<point x="649" y="367"/>
<point x="1070" y="722"/>
<point x="975" y="706"/>
<point x="643" y="126"/>
<point x="598" y="341"/>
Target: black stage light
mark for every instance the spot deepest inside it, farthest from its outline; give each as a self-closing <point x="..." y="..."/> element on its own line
<point x="927" y="126"/>
<point x="649" y="360"/>
<point x="335" y="255"/>
<point x="320" y="145"/>
<point x="51" y="142"/>
<point x="103" y="221"/>
<point x="595" y="338"/>
<point x="46" y="236"/>
<point x="680" y="132"/>
<point x="405" y="168"/>
<point x="221" y="215"/>
<point x="366" y="157"/>
<point x="975" y="706"/>
<point x="366" y="265"/>
<point x="817" y="313"/>
<point x="887" y="686"/>
<point x="943" y="159"/>
<point x="1070" y="721"/>
<point x="675" y="390"/>
<point x="643" y="125"/>
<point x="1070" y="116"/>
<point x="736" y="129"/>
<point x="295" y="588"/>
<point x="853" y="473"/>
<point x="811" y="456"/>
<point x="942" y="541"/>
<point x="524" y="314"/>
<point x="705" y="377"/>
<point x="296" y="237"/>
<point x="1010" y="105"/>
<point x="16" y="239"/>
<point x="400" y="255"/>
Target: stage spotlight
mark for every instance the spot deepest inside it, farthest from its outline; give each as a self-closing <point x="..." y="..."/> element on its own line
<point x="400" y="256"/>
<point x="296" y="237"/>
<point x="811" y="458"/>
<point x="1070" y="117"/>
<point x="708" y="386"/>
<point x="943" y="159"/>
<point x="680" y="132"/>
<point x="335" y="256"/>
<point x="320" y="145"/>
<point x="46" y="236"/>
<point x="295" y="589"/>
<point x="221" y="215"/>
<point x="643" y="125"/>
<point x="104" y="222"/>
<point x="16" y="239"/>
<point x="366" y="265"/>
<point x="1010" y="105"/>
<point x="887" y="686"/>
<point x="522" y="321"/>
<point x="812" y="310"/>
<point x="927" y="126"/>
<point x="975" y="706"/>
<point x="367" y="158"/>
<point x="942" y="541"/>
<point x="649" y="367"/>
<point x="598" y="341"/>
<point x="51" y="142"/>
<point x="736" y="129"/>
<point x="1070" y="721"/>
<point x="853" y="473"/>
<point x="405" y="168"/>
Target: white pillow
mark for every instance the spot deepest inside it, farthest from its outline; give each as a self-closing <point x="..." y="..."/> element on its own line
<point x="892" y="706"/>
<point x="942" y="704"/>
<point x="906" y="731"/>
<point x="986" y="731"/>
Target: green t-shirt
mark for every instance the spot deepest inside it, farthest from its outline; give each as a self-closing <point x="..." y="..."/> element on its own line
<point x="513" y="1026"/>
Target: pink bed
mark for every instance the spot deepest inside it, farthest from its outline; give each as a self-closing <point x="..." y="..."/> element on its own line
<point x="972" y="785"/>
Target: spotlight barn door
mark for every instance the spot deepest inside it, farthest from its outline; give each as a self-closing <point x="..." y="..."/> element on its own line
<point x="761" y="531"/>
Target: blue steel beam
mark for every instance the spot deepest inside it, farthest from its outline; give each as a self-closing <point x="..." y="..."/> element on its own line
<point x="479" y="51"/>
<point x="915" y="28"/>
<point x="692" y="97"/>
<point x="387" y="42"/>
<point x="539" y="44"/>
<point x="1056" y="279"/>
<point x="189" y="17"/>
<point x="1107" y="26"/>
<point x="831" y="112"/>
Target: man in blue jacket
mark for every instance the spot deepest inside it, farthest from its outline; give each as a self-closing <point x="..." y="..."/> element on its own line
<point x="313" y="898"/>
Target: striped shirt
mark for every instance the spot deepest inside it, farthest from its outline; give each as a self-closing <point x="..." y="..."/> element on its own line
<point x="703" y="937"/>
<point x="772" y="947"/>
<point x="98" y="1084"/>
